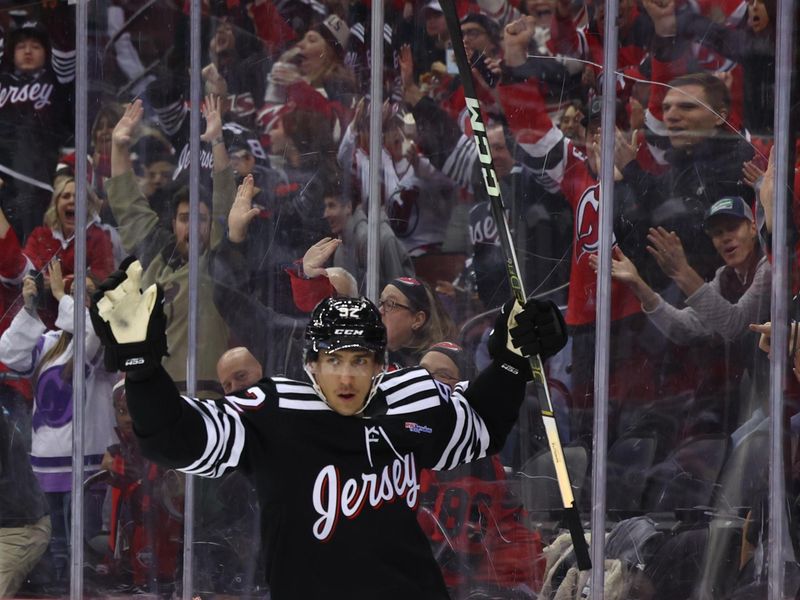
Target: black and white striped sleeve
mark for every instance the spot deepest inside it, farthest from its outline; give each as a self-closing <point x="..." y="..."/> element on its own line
<point x="461" y="434"/>
<point x="201" y="437"/>
<point x="224" y="438"/>
<point x="470" y="438"/>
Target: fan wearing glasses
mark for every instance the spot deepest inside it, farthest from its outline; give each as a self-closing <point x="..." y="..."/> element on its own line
<point x="414" y="319"/>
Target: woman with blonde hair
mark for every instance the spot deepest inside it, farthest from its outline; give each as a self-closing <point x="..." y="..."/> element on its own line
<point x="55" y="238"/>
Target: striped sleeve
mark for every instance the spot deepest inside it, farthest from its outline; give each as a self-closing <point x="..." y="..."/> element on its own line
<point x="465" y="437"/>
<point x="469" y="440"/>
<point x="225" y="436"/>
<point x="459" y="165"/>
<point x="171" y="116"/>
<point x="64" y="63"/>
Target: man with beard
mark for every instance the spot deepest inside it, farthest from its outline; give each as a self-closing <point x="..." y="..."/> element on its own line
<point x="164" y="254"/>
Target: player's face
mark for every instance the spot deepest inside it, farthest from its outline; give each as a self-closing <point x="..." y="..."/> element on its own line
<point x="180" y="227"/>
<point x="733" y="238"/>
<point x="29" y="55"/>
<point x="688" y="116"/>
<point x="345" y="378"/>
<point x="440" y="367"/>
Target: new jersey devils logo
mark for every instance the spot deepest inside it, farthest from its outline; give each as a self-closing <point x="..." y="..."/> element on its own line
<point x="587" y="219"/>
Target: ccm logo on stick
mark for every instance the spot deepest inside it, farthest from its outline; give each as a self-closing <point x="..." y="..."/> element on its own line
<point x="479" y="131"/>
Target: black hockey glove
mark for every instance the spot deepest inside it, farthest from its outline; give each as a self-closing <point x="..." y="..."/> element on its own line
<point x="130" y="323"/>
<point x="519" y="332"/>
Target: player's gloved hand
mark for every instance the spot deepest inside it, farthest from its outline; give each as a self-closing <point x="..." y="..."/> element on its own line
<point x="130" y="323"/>
<point x="536" y="328"/>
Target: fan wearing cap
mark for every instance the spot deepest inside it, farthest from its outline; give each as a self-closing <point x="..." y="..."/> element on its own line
<point x="336" y="460"/>
<point x="737" y="296"/>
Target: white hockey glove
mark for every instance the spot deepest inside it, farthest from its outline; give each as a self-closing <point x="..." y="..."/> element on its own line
<point x="130" y="323"/>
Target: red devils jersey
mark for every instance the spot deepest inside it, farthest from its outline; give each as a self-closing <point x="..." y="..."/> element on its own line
<point x="561" y="166"/>
<point x="337" y="494"/>
<point x="476" y="528"/>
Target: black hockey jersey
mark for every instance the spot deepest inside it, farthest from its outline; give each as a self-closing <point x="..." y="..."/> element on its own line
<point x="337" y="493"/>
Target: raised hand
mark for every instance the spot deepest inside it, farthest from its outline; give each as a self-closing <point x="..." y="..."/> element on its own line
<point x="667" y="249"/>
<point x="242" y="211"/>
<point x="57" y="286"/>
<point x="123" y="130"/>
<point x="622" y="268"/>
<point x="521" y="331"/>
<point x="412" y="93"/>
<point x="625" y="149"/>
<point x="406" y="66"/>
<point x="130" y="323"/>
<point x="766" y="193"/>
<point x="516" y="39"/>
<point x="213" y="115"/>
<point x="318" y="255"/>
<point x="751" y="173"/>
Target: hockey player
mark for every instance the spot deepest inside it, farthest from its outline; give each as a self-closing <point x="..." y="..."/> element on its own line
<point x="336" y="460"/>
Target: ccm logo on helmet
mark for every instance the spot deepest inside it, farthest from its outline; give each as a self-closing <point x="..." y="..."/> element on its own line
<point x="348" y="332"/>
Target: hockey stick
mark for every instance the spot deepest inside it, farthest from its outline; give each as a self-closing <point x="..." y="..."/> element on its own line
<point x="571" y="515"/>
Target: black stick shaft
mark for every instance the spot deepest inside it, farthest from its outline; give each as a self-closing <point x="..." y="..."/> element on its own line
<point x="492" y="184"/>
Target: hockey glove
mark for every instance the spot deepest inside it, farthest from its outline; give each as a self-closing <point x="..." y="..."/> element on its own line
<point x="519" y="332"/>
<point x="130" y="323"/>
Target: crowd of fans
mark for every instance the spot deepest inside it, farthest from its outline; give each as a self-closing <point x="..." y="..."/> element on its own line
<point x="286" y="118"/>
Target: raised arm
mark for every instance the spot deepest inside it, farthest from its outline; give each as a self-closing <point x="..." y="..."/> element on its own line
<point x="122" y="137"/>
<point x="212" y="111"/>
<point x="138" y="223"/>
<point x="200" y="437"/>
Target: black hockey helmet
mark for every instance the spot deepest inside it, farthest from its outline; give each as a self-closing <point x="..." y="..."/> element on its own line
<point x="342" y="323"/>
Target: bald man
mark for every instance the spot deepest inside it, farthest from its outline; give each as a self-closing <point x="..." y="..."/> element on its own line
<point x="237" y="369"/>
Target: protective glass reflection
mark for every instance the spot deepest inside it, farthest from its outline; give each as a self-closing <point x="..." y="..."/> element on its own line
<point x="288" y="119"/>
